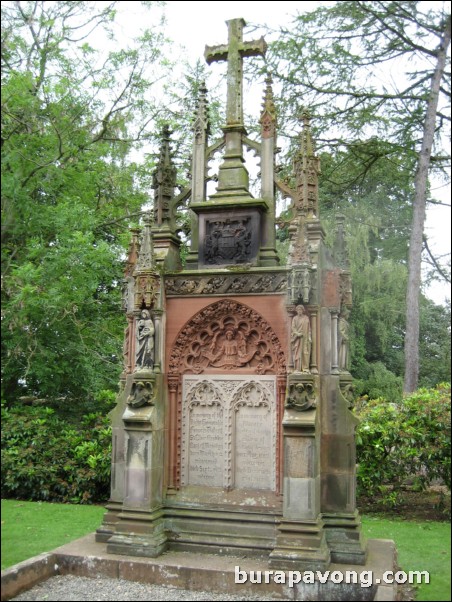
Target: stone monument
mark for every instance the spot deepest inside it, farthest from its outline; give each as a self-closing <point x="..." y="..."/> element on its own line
<point x="233" y="431"/>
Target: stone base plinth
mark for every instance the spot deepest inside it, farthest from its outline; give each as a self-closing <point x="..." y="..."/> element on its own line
<point x="300" y="545"/>
<point x="205" y="572"/>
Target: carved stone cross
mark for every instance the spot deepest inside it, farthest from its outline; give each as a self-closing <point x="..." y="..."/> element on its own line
<point x="233" y="53"/>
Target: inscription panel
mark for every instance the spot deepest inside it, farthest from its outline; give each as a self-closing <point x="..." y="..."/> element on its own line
<point x="205" y="448"/>
<point x="254" y="454"/>
<point x="229" y="431"/>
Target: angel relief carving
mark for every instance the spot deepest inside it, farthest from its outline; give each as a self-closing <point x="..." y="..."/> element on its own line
<point x="226" y="348"/>
<point x="228" y="336"/>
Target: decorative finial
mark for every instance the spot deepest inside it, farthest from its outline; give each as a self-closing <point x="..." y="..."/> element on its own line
<point x="268" y="115"/>
<point x="132" y="254"/>
<point x="164" y="182"/>
<point x="307" y="169"/>
<point x="306" y="141"/>
<point x="145" y="257"/>
<point x="340" y="246"/>
<point x="201" y="123"/>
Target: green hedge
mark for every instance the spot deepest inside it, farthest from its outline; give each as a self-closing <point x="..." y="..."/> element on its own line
<point x="405" y="441"/>
<point x="46" y="458"/>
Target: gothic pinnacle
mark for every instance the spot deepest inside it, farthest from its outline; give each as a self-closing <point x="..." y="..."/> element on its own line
<point x="268" y="114"/>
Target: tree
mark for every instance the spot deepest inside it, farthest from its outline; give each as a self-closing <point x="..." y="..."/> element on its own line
<point x="71" y="115"/>
<point x="376" y="68"/>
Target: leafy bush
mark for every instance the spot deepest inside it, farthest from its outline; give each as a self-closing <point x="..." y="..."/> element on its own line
<point x="407" y="440"/>
<point x="378" y="381"/>
<point x="45" y="458"/>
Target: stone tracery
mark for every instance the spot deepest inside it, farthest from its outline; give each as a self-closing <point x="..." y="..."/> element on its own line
<point x="224" y="336"/>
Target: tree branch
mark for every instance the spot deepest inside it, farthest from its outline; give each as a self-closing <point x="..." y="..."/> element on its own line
<point x="434" y="262"/>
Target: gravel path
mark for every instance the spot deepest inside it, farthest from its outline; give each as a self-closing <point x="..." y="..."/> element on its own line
<point x="68" y="588"/>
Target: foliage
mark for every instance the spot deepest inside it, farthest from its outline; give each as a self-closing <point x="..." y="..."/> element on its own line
<point x="376" y="69"/>
<point x="365" y="67"/>
<point x="435" y="342"/>
<point x="46" y="458"/>
<point x="71" y="115"/>
<point x="379" y="382"/>
<point x="377" y="211"/>
<point x="408" y="439"/>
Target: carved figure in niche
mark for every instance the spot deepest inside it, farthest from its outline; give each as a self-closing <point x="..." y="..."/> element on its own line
<point x="343" y="328"/>
<point x="348" y="392"/>
<point x="125" y="294"/>
<point x="229" y="350"/>
<point x="301" y="339"/>
<point x="145" y="341"/>
<point x="301" y="397"/>
<point x="140" y="395"/>
<point x="301" y="279"/>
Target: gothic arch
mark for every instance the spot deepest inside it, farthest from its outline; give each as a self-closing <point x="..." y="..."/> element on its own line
<point x="227" y="336"/>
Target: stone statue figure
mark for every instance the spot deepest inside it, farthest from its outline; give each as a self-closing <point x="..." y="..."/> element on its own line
<point x="343" y="328"/>
<point x="141" y="395"/>
<point x="145" y="341"/>
<point x="301" y="339"/>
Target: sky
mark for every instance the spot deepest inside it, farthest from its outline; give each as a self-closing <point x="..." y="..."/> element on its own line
<point x="197" y="24"/>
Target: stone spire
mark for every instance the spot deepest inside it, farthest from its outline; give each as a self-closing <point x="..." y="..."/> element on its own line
<point x="145" y="257"/>
<point x="132" y="254"/>
<point x="340" y="246"/>
<point x="164" y="182"/>
<point x="268" y="114"/>
<point x="200" y="140"/>
<point x="201" y="123"/>
<point x="299" y="253"/>
<point x="307" y="170"/>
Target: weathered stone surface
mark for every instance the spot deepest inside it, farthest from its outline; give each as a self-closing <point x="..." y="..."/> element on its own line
<point x="229" y="431"/>
<point x="26" y="574"/>
<point x="233" y="430"/>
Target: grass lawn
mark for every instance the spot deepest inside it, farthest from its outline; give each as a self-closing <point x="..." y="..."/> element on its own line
<point x="29" y="528"/>
<point x="421" y="546"/>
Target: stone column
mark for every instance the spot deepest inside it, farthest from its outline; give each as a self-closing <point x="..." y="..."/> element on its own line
<point x="268" y="254"/>
<point x="139" y="530"/>
<point x="334" y="349"/>
<point x="173" y="385"/>
<point x="291" y="313"/>
<point x="314" y="360"/>
<point x="158" y="341"/>
<point x="300" y="540"/>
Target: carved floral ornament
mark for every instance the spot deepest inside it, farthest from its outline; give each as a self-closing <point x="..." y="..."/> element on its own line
<point x="227" y="335"/>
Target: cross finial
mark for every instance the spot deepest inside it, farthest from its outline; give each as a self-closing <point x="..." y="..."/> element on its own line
<point x="233" y="53"/>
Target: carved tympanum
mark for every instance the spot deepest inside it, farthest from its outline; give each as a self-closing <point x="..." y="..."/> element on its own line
<point x="228" y="336"/>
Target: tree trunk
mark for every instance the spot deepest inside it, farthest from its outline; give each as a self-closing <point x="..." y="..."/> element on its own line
<point x="415" y="253"/>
